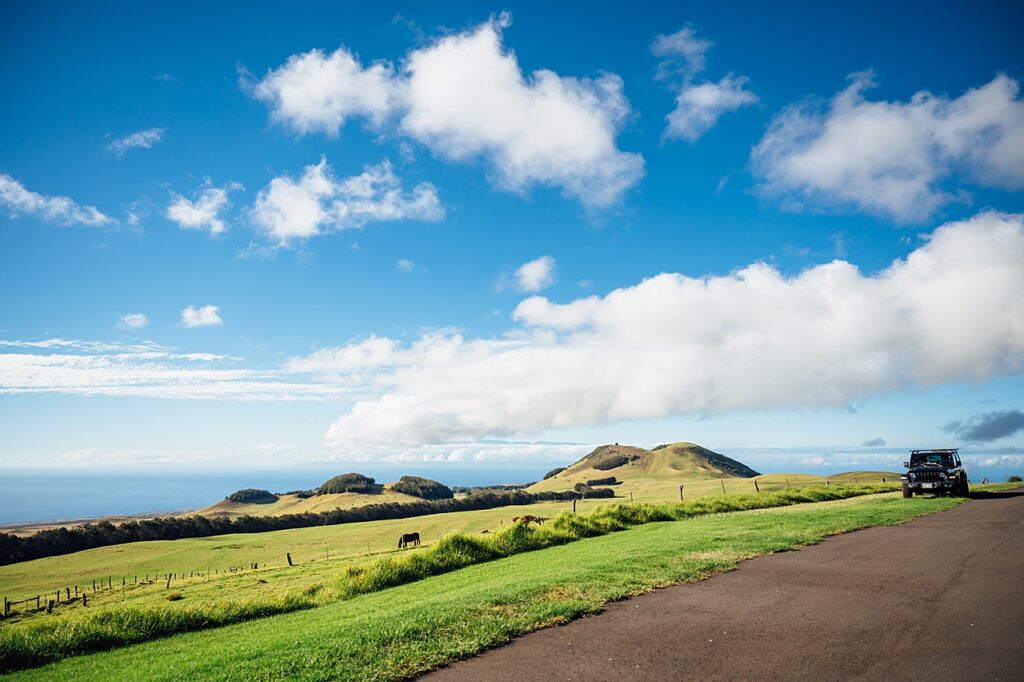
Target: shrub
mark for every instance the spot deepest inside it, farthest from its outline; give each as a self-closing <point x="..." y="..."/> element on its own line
<point x="1014" y="479"/>
<point x="553" y="472"/>
<point x="253" y="496"/>
<point x="422" y="487"/>
<point x="613" y="462"/>
<point x="350" y="483"/>
<point x="587" y="491"/>
<point x="301" y="494"/>
<point x="611" y="480"/>
<point x="175" y="596"/>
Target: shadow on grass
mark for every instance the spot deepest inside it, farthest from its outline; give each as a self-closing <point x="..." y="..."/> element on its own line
<point x="995" y="495"/>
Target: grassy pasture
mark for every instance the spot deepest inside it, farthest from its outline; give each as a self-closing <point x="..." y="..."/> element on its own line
<point x="397" y="632"/>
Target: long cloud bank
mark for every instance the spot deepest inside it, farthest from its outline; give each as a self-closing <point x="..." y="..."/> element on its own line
<point x="950" y="311"/>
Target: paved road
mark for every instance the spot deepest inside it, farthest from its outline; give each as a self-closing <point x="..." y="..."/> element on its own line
<point x="940" y="598"/>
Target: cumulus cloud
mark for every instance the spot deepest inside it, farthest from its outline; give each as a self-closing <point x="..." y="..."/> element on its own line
<point x="406" y="264"/>
<point x="21" y="201"/>
<point x="535" y="275"/>
<point x="142" y="139"/>
<point x="290" y="210"/>
<point x="203" y="212"/>
<point x="465" y="97"/>
<point x="698" y="105"/>
<point x="317" y="92"/>
<point x="874" y="443"/>
<point x="133" y="321"/>
<point x="207" y="316"/>
<point x="893" y="158"/>
<point x="753" y="339"/>
<point x="990" y="426"/>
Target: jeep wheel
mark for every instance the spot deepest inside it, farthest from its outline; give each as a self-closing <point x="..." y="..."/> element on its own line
<point x="908" y="493"/>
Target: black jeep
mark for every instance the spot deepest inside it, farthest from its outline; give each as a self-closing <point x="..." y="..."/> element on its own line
<point x="934" y="471"/>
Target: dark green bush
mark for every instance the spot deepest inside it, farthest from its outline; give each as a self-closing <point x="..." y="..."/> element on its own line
<point x="1014" y="479"/>
<point x="611" y="480"/>
<point x="350" y="483"/>
<point x="422" y="487"/>
<point x="253" y="496"/>
<point x="553" y="472"/>
<point x="301" y="494"/>
<point x="613" y="462"/>
<point x="589" y="492"/>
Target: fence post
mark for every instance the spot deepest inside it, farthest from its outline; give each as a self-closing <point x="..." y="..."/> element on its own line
<point x="7" y="607"/>
<point x="787" y="482"/>
<point x="289" y="555"/>
<point x="574" y="505"/>
<point x="85" y="599"/>
<point x="757" y="487"/>
<point x="94" y="584"/>
<point x="49" y="606"/>
<point x="68" y="590"/>
<point x="723" y="486"/>
<point x="680" y="492"/>
<point x="883" y="479"/>
<point x="37" y="603"/>
<point x="168" y="586"/>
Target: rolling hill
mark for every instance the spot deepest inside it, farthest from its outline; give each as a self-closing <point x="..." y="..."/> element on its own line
<point x="655" y="475"/>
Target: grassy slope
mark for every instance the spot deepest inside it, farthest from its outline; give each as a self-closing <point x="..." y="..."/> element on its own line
<point x="656" y="476"/>
<point x="411" y="628"/>
<point x="293" y="504"/>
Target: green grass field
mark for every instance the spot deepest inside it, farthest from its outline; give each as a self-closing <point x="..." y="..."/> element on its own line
<point x="399" y="631"/>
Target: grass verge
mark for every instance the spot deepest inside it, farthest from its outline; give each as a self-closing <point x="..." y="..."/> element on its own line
<point x="398" y="632"/>
<point x="40" y="642"/>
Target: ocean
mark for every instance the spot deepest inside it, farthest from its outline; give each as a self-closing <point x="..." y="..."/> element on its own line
<point x="33" y="496"/>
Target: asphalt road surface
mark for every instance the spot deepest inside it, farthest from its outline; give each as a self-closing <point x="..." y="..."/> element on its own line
<point x="940" y="598"/>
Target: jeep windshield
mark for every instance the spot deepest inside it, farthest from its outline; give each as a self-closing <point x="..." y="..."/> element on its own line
<point x="927" y="459"/>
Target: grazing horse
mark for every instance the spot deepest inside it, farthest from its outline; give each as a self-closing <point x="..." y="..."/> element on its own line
<point x="404" y="541"/>
<point x="528" y="519"/>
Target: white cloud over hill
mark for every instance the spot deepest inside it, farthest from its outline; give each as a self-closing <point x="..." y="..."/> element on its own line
<point x="754" y="339"/>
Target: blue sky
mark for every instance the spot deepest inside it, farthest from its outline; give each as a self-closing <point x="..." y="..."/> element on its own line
<point x="440" y="236"/>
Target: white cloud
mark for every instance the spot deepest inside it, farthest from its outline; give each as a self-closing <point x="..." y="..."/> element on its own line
<point x="203" y="213"/>
<point x="207" y="316"/>
<point x="536" y="274"/>
<point x="754" y="339"/>
<point x="317" y="92"/>
<point x="892" y="158"/>
<point x="468" y="97"/>
<point x="133" y="321"/>
<point x="142" y="139"/>
<point x="465" y="97"/>
<point x="318" y="203"/>
<point x="406" y="265"/>
<point x="74" y="367"/>
<point x="21" y="201"/>
<point x="698" y="105"/>
<point x="682" y="45"/>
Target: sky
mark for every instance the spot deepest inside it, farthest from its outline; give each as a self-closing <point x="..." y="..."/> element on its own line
<point x="244" y="234"/>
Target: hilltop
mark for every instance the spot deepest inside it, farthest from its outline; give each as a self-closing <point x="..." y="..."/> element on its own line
<point x="637" y="469"/>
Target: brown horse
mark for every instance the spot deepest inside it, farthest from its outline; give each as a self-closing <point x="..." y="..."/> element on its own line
<point x="528" y="519"/>
<point x="404" y="541"/>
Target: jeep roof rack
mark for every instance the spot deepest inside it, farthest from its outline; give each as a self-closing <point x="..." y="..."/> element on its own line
<point x="951" y="450"/>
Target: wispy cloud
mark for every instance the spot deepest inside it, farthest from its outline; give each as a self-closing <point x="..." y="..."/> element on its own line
<point x="202" y="213"/>
<point x="141" y="139"/>
<point x="96" y="368"/>
<point x="21" y="201"/>
<point x="133" y="321"/>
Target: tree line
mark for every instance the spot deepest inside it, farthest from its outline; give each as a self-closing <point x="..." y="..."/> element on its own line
<point x="57" y="541"/>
